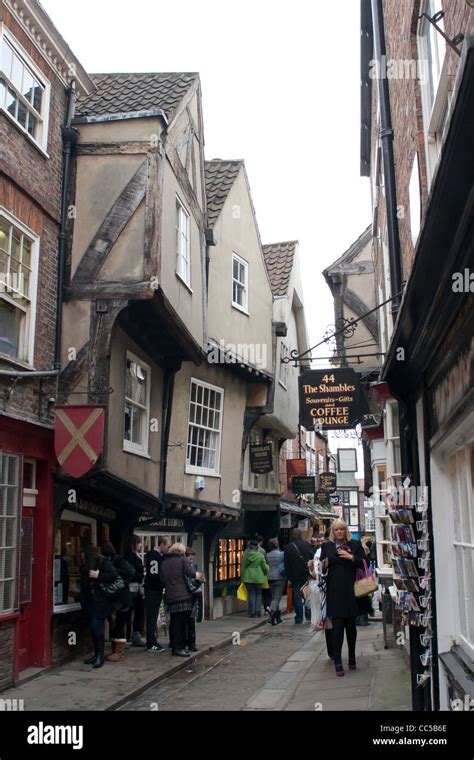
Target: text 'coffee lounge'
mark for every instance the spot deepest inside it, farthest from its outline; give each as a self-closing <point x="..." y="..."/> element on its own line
<point x="329" y="399"/>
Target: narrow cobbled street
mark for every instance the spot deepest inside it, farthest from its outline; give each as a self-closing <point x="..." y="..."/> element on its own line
<point x="285" y="668"/>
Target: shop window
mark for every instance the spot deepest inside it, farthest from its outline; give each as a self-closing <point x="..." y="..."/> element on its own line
<point x="75" y="534"/>
<point x="228" y="559"/>
<point x="9" y="529"/>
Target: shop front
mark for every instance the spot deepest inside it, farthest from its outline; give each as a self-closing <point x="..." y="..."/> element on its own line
<point x="26" y="503"/>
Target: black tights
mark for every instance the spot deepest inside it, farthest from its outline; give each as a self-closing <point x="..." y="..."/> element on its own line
<point x="339" y="625"/>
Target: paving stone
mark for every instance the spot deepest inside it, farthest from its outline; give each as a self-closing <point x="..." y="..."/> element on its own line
<point x="266" y="698"/>
<point x="301" y="656"/>
<point x="281" y="680"/>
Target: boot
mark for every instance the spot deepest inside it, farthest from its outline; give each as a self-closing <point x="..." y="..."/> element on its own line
<point x="119" y="651"/>
<point x="99" y="660"/>
<point x="272" y="619"/>
<point x="278" y="617"/>
<point x="138" y="640"/>
<point x="91" y="660"/>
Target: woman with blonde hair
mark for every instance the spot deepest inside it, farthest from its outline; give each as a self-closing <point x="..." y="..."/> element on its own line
<point x="342" y="556"/>
<point x="174" y="570"/>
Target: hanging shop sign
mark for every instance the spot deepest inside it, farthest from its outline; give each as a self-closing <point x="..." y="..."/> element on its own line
<point x="303" y="485"/>
<point x="321" y="498"/>
<point x="78" y="437"/>
<point x="327" y="481"/>
<point x="334" y="499"/>
<point x="285" y="521"/>
<point x="146" y="521"/>
<point x="329" y="399"/>
<point x="261" y="458"/>
<point x="295" y="467"/>
<point x="303" y="525"/>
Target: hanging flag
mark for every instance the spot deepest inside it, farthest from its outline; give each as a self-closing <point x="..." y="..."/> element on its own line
<point x="79" y="437"/>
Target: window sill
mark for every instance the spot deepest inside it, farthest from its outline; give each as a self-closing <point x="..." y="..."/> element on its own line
<point x="138" y="452"/>
<point x="62" y="609"/>
<point x="241" y="309"/>
<point x="26" y="134"/>
<point x="7" y="616"/>
<point x="187" y="286"/>
<point x="190" y="470"/>
<point x="16" y="363"/>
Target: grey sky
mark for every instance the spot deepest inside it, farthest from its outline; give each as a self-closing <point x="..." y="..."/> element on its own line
<point x="280" y="86"/>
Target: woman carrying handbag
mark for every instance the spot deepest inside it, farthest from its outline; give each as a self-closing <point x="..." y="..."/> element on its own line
<point x="342" y="556"/>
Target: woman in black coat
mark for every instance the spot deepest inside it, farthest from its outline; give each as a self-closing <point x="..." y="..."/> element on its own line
<point x="121" y="603"/>
<point x="136" y="612"/>
<point x="342" y="556"/>
<point x="96" y="604"/>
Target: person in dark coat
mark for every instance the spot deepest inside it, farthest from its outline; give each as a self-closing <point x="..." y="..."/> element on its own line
<point x="136" y="614"/>
<point x="121" y="603"/>
<point x="297" y="554"/>
<point x="196" y="614"/>
<point x="342" y="556"/>
<point x="174" y="568"/>
<point x="97" y="606"/>
<point x="154" y="591"/>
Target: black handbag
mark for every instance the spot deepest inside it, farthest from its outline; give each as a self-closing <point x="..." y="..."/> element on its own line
<point x="193" y="586"/>
<point x="114" y="588"/>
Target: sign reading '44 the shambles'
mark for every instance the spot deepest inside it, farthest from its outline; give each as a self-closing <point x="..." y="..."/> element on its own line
<point x="329" y="399"/>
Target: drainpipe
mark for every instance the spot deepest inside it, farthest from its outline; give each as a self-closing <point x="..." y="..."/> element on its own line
<point x="167" y="407"/>
<point x="69" y="137"/>
<point x="386" y="136"/>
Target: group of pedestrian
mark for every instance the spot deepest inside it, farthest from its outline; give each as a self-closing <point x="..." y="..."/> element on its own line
<point x="126" y="592"/>
<point x="264" y="577"/>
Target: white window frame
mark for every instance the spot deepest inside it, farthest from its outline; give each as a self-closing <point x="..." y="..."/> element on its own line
<point x="129" y="446"/>
<point x="183" y="260"/>
<point x="30" y="494"/>
<point x="43" y="118"/>
<point x="435" y="111"/>
<point x="459" y="469"/>
<point x="194" y="469"/>
<point x="10" y="295"/>
<point x="284" y="367"/>
<point x="16" y="517"/>
<point x="245" y="306"/>
<point x="392" y="440"/>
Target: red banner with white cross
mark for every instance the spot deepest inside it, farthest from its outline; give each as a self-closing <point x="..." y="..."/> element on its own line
<point x="79" y="437"/>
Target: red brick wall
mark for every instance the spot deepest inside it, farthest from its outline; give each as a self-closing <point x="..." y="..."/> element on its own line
<point x="401" y="23"/>
<point x="30" y="189"/>
<point x="7" y="634"/>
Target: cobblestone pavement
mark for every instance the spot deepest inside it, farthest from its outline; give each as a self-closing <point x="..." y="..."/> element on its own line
<point x="285" y="668"/>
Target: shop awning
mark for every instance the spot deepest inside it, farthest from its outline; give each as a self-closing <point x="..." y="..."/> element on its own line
<point x="296" y="509"/>
<point x="325" y="512"/>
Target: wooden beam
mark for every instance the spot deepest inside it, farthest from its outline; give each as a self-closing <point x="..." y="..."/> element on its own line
<point x="112" y="226"/>
<point x="73" y="373"/>
<point x="112" y="148"/>
<point x="153" y="215"/>
<point x="186" y="187"/>
<point x="103" y="316"/>
<point x="137" y="291"/>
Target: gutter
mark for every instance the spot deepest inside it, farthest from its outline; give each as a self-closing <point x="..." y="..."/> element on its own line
<point x="69" y="138"/>
<point x="386" y="137"/>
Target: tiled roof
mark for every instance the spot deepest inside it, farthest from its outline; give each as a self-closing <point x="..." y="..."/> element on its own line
<point x="220" y="176"/>
<point x="125" y="93"/>
<point x="279" y="259"/>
